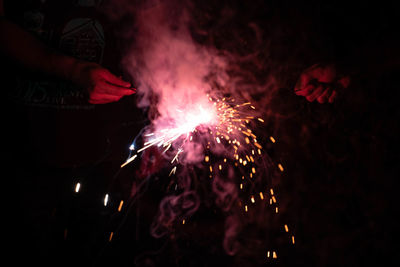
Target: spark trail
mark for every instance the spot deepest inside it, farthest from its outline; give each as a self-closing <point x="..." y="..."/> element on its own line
<point x="238" y="166"/>
<point x="221" y="122"/>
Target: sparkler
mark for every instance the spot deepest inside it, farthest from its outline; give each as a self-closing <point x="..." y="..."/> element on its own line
<point x="226" y="131"/>
<point x="195" y="117"/>
<point x="220" y="121"/>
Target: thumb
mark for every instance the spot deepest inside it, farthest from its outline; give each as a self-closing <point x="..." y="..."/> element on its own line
<point x="302" y="82"/>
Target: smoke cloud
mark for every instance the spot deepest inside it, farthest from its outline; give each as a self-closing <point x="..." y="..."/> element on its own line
<point x="168" y="66"/>
<point x="173" y="72"/>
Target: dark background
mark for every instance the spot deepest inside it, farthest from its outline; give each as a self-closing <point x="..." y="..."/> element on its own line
<point x="338" y="192"/>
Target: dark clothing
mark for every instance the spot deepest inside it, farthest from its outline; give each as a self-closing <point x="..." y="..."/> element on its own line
<point x="65" y="130"/>
<point x="55" y="138"/>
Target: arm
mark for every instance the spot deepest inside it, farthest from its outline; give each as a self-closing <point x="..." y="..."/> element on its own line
<point x="29" y="52"/>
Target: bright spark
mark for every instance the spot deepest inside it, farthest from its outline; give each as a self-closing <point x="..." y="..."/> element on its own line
<point x="77" y="187"/>
<point x="106" y="199"/>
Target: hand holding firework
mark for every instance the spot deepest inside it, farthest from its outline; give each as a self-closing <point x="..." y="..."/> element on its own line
<point x="321" y="83"/>
<point x="103" y="86"/>
<point x="25" y="49"/>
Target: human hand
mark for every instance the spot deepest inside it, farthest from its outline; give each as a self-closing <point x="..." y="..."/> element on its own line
<point x="321" y="83"/>
<point x="103" y="86"/>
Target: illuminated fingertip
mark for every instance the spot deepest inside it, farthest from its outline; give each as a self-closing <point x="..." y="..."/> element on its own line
<point x="310" y="98"/>
<point x="302" y="92"/>
<point x="332" y="97"/>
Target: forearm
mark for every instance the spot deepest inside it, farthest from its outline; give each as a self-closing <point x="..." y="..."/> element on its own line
<point x="31" y="53"/>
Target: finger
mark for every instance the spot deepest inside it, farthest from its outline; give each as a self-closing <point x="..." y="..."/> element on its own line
<point x="303" y="81"/>
<point x="103" y="98"/>
<point x="324" y="96"/>
<point x="102" y="101"/>
<point x="111" y="89"/>
<point x="315" y="94"/>
<point x="306" y="91"/>
<point x="112" y="79"/>
<point x="333" y="96"/>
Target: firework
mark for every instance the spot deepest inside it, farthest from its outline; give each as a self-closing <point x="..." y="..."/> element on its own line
<point x="225" y="129"/>
<point x="220" y="122"/>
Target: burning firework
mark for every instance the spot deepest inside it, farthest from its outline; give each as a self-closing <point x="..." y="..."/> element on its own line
<point x="230" y="151"/>
<point x="209" y="140"/>
<point x="220" y="121"/>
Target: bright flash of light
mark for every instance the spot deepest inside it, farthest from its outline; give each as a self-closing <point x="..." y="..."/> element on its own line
<point x="184" y="122"/>
<point x="216" y="119"/>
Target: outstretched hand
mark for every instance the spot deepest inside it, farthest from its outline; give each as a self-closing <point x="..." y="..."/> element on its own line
<point x="103" y="86"/>
<point x="321" y="83"/>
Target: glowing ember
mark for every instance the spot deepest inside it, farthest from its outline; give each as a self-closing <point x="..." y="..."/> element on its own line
<point x="77" y="187"/>
<point x="120" y="206"/>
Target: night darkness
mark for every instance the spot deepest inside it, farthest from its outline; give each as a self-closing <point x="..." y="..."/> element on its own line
<point x="337" y="193"/>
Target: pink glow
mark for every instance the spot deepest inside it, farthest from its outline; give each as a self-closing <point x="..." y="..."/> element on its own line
<point x="183" y="119"/>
